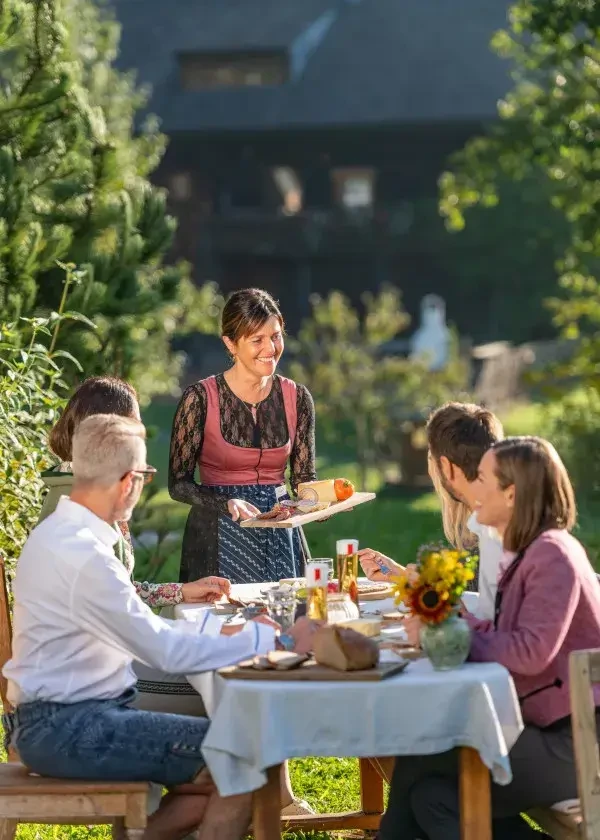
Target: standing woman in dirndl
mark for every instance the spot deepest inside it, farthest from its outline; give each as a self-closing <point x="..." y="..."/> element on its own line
<point x="242" y="429"/>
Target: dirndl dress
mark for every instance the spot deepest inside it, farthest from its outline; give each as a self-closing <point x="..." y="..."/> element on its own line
<point x="257" y="476"/>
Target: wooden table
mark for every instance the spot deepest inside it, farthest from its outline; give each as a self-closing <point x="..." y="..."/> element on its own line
<point x="475" y="802"/>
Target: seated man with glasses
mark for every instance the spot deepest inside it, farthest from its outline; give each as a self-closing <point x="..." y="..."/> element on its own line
<point x="78" y="626"/>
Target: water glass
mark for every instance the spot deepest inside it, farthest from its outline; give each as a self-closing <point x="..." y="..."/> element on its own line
<point x="281" y="606"/>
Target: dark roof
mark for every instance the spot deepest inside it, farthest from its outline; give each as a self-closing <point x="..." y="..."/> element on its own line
<point x="377" y="61"/>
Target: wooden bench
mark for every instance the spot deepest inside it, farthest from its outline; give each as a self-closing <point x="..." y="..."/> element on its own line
<point x="584" y="672"/>
<point x="26" y="798"/>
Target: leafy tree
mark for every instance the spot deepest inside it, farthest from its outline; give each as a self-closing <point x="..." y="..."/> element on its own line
<point x="74" y="187"/>
<point x="549" y="131"/>
<point x="358" y="383"/>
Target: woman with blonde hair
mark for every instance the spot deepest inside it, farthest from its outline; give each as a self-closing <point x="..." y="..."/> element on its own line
<point x="547" y="606"/>
<point x="458" y="436"/>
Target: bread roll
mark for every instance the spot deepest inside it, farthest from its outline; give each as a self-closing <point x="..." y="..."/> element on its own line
<point x="344" y="650"/>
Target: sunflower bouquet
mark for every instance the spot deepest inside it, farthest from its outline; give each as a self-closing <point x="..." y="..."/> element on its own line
<point x="434" y="585"/>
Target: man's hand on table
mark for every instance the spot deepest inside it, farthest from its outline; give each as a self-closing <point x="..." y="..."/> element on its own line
<point x="232" y="629"/>
<point x="302" y="632"/>
<point x="208" y="589"/>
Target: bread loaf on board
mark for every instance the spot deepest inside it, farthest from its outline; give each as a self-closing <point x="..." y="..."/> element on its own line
<point x="344" y="650"/>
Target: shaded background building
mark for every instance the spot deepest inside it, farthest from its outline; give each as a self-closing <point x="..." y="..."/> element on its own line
<point x="306" y="141"/>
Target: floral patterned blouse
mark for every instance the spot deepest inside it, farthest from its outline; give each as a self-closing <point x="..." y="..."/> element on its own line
<point x="153" y="594"/>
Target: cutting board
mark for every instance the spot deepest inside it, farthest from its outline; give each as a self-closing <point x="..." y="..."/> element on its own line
<point x="312" y="671"/>
<point x="315" y="516"/>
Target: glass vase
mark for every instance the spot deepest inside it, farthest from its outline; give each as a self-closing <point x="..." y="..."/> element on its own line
<point x="446" y="644"/>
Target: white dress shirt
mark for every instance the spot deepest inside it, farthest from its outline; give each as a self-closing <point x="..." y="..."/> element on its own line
<point x="490" y="557"/>
<point x="79" y="624"/>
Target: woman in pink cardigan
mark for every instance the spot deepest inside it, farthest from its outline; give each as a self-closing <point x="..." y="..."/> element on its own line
<point x="547" y="605"/>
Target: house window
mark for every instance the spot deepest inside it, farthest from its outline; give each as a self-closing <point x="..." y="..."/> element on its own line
<point x="181" y="186"/>
<point x="289" y="188"/>
<point x="205" y="71"/>
<point x="354" y="189"/>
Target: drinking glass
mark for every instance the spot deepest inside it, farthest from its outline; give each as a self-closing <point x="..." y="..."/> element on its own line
<point x="281" y="606"/>
<point x="328" y="561"/>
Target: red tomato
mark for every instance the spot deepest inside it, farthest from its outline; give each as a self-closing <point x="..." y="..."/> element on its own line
<point x="343" y="489"/>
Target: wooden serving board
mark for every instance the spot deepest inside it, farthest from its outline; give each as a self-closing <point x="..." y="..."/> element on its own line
<point x="312" y="671"/>
<point x="316" y="516"/>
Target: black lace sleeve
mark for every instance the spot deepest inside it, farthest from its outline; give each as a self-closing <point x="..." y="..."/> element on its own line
<point x="186" y="443"/>
<point x="302" y="459"/>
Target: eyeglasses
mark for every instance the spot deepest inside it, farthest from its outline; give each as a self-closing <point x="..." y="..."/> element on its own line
<point x="148" y="474"/>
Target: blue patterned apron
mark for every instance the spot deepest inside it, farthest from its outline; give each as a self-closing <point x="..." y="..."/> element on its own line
<point x="253" y="555"/>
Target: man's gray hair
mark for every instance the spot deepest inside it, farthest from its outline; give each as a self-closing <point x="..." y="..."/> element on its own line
<point x="106" y="447"/>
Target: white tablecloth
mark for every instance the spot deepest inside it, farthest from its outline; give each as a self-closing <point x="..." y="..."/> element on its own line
<point x="421" y="711"/>
<point x="258" y="724"/>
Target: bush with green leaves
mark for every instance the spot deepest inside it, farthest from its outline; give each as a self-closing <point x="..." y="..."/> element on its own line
<point x="33" y="392"/>
<point x="573" y="426"/>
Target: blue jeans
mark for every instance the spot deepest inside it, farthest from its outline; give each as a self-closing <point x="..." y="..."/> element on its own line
<point x="107" y="740"/>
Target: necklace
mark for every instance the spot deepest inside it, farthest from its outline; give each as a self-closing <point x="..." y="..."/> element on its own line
<point x="253" y="404"/>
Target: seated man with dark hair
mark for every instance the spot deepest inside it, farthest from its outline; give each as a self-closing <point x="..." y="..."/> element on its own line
<point x="458" y="436"/>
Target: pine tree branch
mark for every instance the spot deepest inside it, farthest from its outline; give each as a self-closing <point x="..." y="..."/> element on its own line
<point x="41" y="59"/>
<point x="51" y="176"/>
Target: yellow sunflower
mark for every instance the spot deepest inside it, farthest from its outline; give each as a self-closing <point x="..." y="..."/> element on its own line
<point x="432" y="606"/>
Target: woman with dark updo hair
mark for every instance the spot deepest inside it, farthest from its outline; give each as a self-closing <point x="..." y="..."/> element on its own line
<point x="242" y="429"/>
<point x="109" y="395"/>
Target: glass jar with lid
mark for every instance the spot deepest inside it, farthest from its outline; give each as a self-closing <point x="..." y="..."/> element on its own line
<point x="341" y="607"/>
